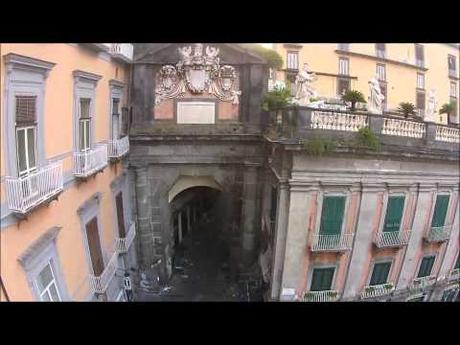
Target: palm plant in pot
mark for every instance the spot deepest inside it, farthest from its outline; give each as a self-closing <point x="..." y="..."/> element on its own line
<point x="449" y="109"/>
<point x="406" y="108"/>
<point x="276" y="100"/>
<point x="353" y="96"/>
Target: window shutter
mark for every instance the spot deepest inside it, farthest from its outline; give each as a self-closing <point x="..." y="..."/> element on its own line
<point x="380" y="273"/>
<point x="440" y="211"/>
<point x="332" y="215"/>
<point x="419" y="53"/>
<point x="394" y="213"/>
<point x="426" y="266"/>
<point x="457" y="265"/>
<point x="322" y="279"/>
<point x="85" y="107"/>
<point x="26" y="110"/>
<point x="421" y="100"/>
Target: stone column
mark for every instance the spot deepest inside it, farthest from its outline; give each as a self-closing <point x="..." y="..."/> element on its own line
<point x="249" y="209"/>
<point x="144" y="236"/>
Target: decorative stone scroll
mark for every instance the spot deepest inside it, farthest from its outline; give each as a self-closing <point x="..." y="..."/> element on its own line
<point x="197" y="73"/>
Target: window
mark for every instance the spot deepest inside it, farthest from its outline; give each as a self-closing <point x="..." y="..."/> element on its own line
<point x="454" y="113"/>
<point x="115" y="118"/>
<point x="26" y="134"/>
<point x="394" y="214"/>
<point x="453" y="89"/>
<point x="85" y="124"/>
<point x="420" y="81"/>
<point x="322" y="279"/>
<point x="381" y="73"/>
<point x="383" y="89"/>
<point x="344" y="46"/>
<point x="420" y="102"/>
<point x="426" y="266"/>
<point x="125" y="121"/>
<point x="419" y="55"/>
<point x="380" y="273"/>
<point x="343" y="66"/>
<point x="94" y="246"/>
<point x="457" y="264"/>
<point x="449" y="295"/>
<point x="332" y="215"/>
<point x="451" y="61"/>
<point x="440" y="211"/>
<point x="343" y="84"/>
<point x="292" y="60"/>
<point x="120" y="215"/>
<point x="46" y="284"/>
<point x="380" y="50"/>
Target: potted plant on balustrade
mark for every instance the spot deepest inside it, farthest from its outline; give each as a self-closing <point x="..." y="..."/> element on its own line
<point x="353" y="97"/>
<point x="407" y="109"/>
<point x="449" y="109"/>
<point x="276" y="100"/>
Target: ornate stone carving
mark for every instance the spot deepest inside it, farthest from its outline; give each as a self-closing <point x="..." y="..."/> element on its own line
<point x="376" y="96"/>
<point x="197" y="73"/>
<point x="304" y="89"/>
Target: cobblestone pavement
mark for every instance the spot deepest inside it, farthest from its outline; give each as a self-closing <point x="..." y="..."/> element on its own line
<point x="202" y="272"/>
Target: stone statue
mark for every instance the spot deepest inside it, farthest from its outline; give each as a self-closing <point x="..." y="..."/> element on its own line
<point x="304" y="89"/>
<point x="376" y="97"/>
<point x="431" y="106"/>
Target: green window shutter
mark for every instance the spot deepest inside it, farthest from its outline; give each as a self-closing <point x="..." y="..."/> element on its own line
<point x="394" y="213"/>
<point x="380" y="273"/>
<point x="322" y="279"/>
<point x="457" y="265"/>
<point x="332" y="215"/>
<point x="426" y="266"/>
<point x="440" y="211"/>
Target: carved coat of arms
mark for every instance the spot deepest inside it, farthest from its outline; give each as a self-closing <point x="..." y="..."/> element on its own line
<point x="197" y="72"/>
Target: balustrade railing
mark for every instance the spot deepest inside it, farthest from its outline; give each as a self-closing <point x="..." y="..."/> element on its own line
<point x="123" y="50"/>
<point x="338" y="121"/>
<point x="373" y="291"/>
<point x="24" y="193"/>
<point x="403" y="128"/>
<point x="322" y="296"/>
<point x="448" y="134"/>
<point x="419" y="284"/>
<point x="118" y="148"/>
<point x="99" y="284"/>
<point x="392" y="238"/>
<point x="332" y="242"/>
<point x="454" y="274"/>
<point x="439" y="233"/>
<point x="123" y="244"/>
<point x="88" y="162"/>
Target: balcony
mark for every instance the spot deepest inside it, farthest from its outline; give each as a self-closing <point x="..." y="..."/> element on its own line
<point x="438" y="234"/>
<point x="420" y="284"/>
<point x="447" y="134"/>
<point x="123" y="244"/>
<point x="99" y="284"/>
<point x="374" y="291"/>
<point x="332" y="243"/>
<point x="25" y="193"/>
<point x="89" y="162"/>
<point x="454" y="275"/>
<point x="122" y="51"/>
<point x="392" y="239"/>
<point x="118" y="148"/>
<point x="322" y="296"/>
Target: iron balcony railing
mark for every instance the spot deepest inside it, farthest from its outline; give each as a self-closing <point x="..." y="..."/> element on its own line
<point x="339" y="242"/>
<point x="322" y="296"/>
<point x="392" y="238"/>
<point x="99" y="284"/>
<point x="86" y="163"/>
<point x="420" y="284"/>
<point x="24" y="193"/>
<point x="123" y="244"/>
<point x="372" y="291"/>
<point x="118" y="148"/>
<point x="454" y="274"/>
<point x="438" y="233"/>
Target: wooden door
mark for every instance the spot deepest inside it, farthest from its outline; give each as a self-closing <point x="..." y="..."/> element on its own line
<point x="120" y="216"/>
<point x="94" y="245"/>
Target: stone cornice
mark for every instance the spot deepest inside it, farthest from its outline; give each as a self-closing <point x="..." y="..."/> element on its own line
<point x="37" y="246"/>
<point x="95" y="199"/>
<point x="116" y="83"/>
<point x="92" y="77"/>
<point x="15" y="61"/>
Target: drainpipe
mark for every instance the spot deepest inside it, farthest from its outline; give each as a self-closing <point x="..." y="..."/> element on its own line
<point x="4" y="289"/>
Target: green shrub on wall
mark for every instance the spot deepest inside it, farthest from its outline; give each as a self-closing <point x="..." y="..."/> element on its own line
<point x="319" y="146"/>
<point x="365" y="138"/>
<point x="276" y="99"/>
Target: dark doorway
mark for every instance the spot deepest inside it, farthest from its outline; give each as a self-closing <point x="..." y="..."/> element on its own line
<point x="94" y="246"/>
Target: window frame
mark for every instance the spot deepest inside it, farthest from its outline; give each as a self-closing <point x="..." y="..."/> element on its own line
<point x="420" y="77"/>
<point x="419" y="62"/>
<point x="454" y="59"/>
<point x="342" y="78"/>
<point x="53" y="282"/>
<point x="288" y="60"/>
<point x="332" y="193"/>
<point x="449" y="195"/>
<point x="379" y="52"/>
<point x="347" y="65"/>
<point x="453" y="90"/>
<point x="316" y="265"/>
<point x="383" y="66"/>
<point x="426" y="255"/>
<point x="86" y="122"/>
<point x="382" y="260"/>
<point x="387" y="195"/>
<point x="29" y="170"/>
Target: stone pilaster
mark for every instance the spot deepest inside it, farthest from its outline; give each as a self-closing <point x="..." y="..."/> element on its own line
<point x="249" y="209"/>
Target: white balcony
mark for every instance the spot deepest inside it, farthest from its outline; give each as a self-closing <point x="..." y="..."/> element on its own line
<point x="118" y="148"/>
<point x="392" y="238"/>
<point x="122" y="51"/>
<point x="420" y="284"/>
<point x="380" y="290"/>
<point x="403" y="128"/>
<point x="99" y="284"/>
<point x="439" y="233"/>
<point x="340" y="242"/>
<point x="89" y="162"/>
<point x="333" y="121"/>
<point x="322" y="296"/>
<point x="25" y="193"/>
<point x="123" y="244"/>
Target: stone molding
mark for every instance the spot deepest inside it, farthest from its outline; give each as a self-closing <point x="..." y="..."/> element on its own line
<point x="80" y="75"/>
<point x="91" y="202"/>
<point x="15" y="61"/>
<point x="38" y="246"/>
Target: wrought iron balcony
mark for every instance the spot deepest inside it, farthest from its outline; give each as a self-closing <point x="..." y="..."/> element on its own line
<point x="25" y="193"/>
<point x="392" y="238"/>
<point x="322" y="296"/>
<point x="420" y="284"/>
<point x="340" y="242"/>
<point x="380" y="290"/>
<point x="89" y="162"/>
<point x="122" y="51"/>
<point x="99" y="284"/>
<point x="124" y="243"/>
<point x="438" y="234"/>
<point x="118" y="148"/>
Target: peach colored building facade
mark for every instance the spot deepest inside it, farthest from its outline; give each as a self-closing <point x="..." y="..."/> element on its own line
<point x="64" y="171"/>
